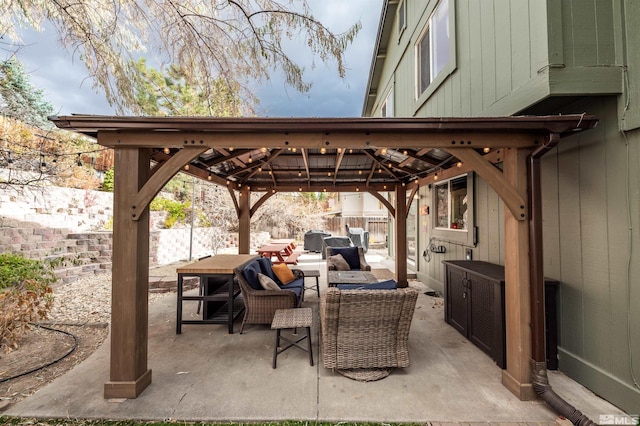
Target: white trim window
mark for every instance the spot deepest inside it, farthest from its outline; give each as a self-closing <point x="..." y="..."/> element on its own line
<point x="387" y="106"/>
<point x="402" y="17"/>
<point x="433" y="51"/>
<point x="452" y="204"/>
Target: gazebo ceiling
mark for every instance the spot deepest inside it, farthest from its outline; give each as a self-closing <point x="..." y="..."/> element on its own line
<point x="314" y="154"/>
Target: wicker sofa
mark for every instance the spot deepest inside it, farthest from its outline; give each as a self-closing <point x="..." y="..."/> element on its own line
<point x="364" y="333"/>
<point x="261" y="304"/>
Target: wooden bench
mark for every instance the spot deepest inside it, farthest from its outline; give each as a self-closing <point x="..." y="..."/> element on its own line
<point x="292" y="259"/>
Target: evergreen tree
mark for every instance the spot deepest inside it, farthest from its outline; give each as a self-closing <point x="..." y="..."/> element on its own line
<point x="170" y="94"/>
<point x="19" y="99"/>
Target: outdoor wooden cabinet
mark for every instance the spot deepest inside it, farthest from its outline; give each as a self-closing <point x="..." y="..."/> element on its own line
<point x="474" y="305"/>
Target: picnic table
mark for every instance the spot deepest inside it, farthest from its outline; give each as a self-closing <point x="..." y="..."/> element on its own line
<point x="281" y="250"/>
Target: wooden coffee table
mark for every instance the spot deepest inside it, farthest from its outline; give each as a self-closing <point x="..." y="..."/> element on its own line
<point x="350" y="277"/>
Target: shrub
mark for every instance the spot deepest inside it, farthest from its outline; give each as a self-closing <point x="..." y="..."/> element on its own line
<point x="26" y="296"/>
<point x="176" y="210"/>
<point x="15" y="268"/>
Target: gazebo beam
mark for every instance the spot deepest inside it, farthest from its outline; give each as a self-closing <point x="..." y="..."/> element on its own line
<point x="129" y="374"/>
<point x="401" y="235"/>
<point x="343" y="139"/>
<point x="516" y="377"/>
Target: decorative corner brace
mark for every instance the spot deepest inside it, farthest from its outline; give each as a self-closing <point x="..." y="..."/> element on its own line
<point x="494" y="177"/>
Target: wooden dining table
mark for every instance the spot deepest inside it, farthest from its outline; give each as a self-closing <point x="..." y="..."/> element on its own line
<point x="220" y="293"/>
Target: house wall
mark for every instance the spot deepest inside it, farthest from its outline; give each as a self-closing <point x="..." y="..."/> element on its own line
<point x="591" y="217"/>
<point x="528" y="56"/>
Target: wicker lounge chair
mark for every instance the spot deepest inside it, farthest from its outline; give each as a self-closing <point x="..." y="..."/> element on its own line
<point x="353" y="255"/>
<point x="260" y="304"/>
<point x="365" y="332"/>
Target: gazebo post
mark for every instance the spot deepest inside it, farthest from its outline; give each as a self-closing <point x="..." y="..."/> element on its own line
<point x="401" y="235"/>
<point x="244" y="221"/>
<point x="129" y="374"/>
<point x="516" y="377"/>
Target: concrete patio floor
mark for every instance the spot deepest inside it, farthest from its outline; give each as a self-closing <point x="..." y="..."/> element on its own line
<point x="209" y="375"/>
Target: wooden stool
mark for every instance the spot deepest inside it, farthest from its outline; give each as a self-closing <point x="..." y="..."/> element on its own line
<point x="312" y="273"/>
<point x="292" y="318"/>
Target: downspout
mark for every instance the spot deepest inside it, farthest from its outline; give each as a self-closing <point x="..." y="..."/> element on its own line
<point x="538" y="361"/>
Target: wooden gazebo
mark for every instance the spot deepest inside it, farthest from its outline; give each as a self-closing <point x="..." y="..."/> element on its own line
<point x="270" y="155"/>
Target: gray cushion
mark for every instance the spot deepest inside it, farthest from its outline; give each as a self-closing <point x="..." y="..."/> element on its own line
<point x="338" y="262"/>
<point x="267" y="283"/>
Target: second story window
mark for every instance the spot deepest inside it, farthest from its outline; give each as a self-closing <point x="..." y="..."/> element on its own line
<point x="433" y="47"/>
<point x="402" y="17"/>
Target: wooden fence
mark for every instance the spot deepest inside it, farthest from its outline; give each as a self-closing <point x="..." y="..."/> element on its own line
<point x="377" y="227"/>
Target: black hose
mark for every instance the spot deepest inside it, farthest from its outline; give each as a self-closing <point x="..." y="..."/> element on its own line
<point x="541" y="385"/>
<point x="73" y="348"/>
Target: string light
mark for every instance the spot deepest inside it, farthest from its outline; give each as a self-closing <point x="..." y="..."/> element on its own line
<point x="323" y="150"/>
<point x="294" y="149"/>
<point x="300" y="189"/>
<point x="459" y="164"/>
<point x="383" y="151"/>
<point x="486" y="150"/>
<point x="167" y="150"/>
<point x="209" y="177"/>
<point x="359" y="172"/>
<point x="299" y="174"/>
<point x="263" y="149"/>
<point x="186" y="167"/>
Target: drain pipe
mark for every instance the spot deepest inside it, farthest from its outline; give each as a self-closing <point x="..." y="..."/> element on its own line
<point x="538" y="361"/>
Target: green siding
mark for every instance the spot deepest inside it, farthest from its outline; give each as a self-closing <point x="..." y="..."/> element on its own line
<point x="513" y="55"/>
<point x="586" y="208"/>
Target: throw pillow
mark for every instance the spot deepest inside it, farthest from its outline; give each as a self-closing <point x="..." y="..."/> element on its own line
<point x="338" y="262"/>
<point x="267" y="283"/>
<point x="284" y="274"/>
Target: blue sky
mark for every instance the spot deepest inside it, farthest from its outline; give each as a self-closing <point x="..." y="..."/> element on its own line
<point x="67" y="84"/>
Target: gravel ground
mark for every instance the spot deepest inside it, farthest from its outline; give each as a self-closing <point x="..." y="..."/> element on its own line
<point x="85" y="301"/>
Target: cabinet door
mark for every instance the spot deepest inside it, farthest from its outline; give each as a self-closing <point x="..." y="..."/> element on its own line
<point x="482" y="311"/>
<point x="457" y="300"/>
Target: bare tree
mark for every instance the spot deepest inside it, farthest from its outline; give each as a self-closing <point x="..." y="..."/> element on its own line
<point x="236" y="40"/>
